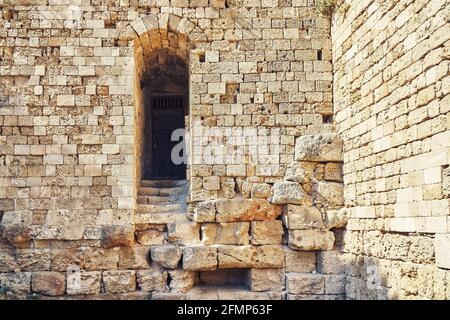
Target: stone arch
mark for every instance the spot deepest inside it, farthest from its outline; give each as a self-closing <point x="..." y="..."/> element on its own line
<point x="162" y="45"/>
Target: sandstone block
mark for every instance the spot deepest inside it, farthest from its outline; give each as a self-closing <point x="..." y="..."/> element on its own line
<point x="322" y="148"/>
<point x="299" y="261"/>
<point x="335" y="218"/>
<point x="287" y="192"/>
<point x="83" y="282"/>
<point x="301" y="172"/>
<point x="101" y="259"/>
<point x="302" y="218"/>
<point x="311" y="240"/>
<point x="266" y="232"/>
<point x="234" y="210"/>
<point x="117" y="236"/>
<point x="225" y="233"/>
<point x="304" y="283"/>
<point x="205" y="212"/>
<point x="168" y="255"/>
<point x="335" y="284"/>
<point x="199" y="258"/>
<point x="15" y="282"/>
<point x="18" y="236"/>
<point x="442" y="244"/>
<point x="333" y="172"/>
<point x="265" y="279"/>
<point x="62" y="259"/>
<point x="269" y="256"/>
<point x="119" y="281"/>
<point x="332" y="193"/>
<point x="181" y="280"/>
<point x="183" y="233"/>
<point x="154" y="279"/>
<point x="48" y="283"/>
<point x="328" y="262"/>
<point x="150" y="237"/>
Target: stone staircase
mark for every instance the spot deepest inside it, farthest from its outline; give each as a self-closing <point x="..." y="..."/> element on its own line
<point x="162" y="201"/>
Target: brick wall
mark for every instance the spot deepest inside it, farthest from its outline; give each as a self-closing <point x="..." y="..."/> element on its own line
<point x="391" y="92"/>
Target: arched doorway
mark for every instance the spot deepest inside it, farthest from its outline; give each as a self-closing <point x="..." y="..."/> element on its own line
<point x="165" y="96"/>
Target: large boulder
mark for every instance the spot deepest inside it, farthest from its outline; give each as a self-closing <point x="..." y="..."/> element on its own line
<point x="320" y="148"/>
<point x="168" y="256"/>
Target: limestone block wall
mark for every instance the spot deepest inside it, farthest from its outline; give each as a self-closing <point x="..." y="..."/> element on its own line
<point x="391" y="93"/>
<point x="70" y="106"/>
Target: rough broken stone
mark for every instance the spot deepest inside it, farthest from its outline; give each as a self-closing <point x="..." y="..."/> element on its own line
<point x="235" y="210"/>
<point x="117" y="236"/>
<point x="136" y="257"/>
<point x="302" y="218"/>
<point x="225" y="233"/>
<point x="199" y="258"/>
<point x="154" y="279"/>
<point x="287" y="192"/>
<point x="300" y="172"/>
<point x="321" y="148"/>
<point x="335" y="218"/>
<point x="331" y="193"/>
<point x="266" y="232"/>
<point x="119" y="281"/>
<point x="183" y="233"/>
<point x="311" y="240"/>
<point x="265" y="279"/>
<point x="304" y="283"/>
<point x="168" y="255"/>
<point x="49" y="283"/>
<point x="181" y="280"/>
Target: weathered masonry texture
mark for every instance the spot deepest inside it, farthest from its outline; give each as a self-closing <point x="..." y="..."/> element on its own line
<point x="391" y="93"/>
<point x="357" y="205"/>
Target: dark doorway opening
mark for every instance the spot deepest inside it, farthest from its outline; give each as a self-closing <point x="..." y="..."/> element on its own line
<point x="164" y="117"/>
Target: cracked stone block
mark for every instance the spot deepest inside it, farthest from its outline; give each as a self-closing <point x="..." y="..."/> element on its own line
<point x="117" y="236"/>
<point x="83" y="282"/>
<point x="199" y="258"/>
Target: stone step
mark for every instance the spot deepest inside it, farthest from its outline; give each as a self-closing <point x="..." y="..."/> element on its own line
<point x="156" y="199"/>
<point x="152" y="191"/>
<point x="158" y="208"/>
<point x="160" y="218"/>
<point x="163" y="183"/>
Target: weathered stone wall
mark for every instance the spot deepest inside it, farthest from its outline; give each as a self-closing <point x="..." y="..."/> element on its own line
<point x="71" y="137"/>
<point x="391" y="93"/>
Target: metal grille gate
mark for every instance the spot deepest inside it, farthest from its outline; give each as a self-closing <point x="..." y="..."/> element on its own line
<point x="165" y="116"/>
